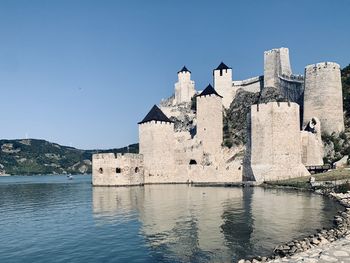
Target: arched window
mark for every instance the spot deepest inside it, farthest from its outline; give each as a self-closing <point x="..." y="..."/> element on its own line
<point x="100" y="170"/>
<point x="118" y="170"/>
<point x="136" y="170"/>
<point x="193" y="162"/>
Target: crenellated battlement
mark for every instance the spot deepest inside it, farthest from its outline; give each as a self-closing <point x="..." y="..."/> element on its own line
<point x="292" y="78"/>
<point x="246" y="82"/>
<point x="149" y="123"/>
<point x="265" y="108"/>
<point x="276" y="50"/>
<point x="109" y="156"/>
<point x="322" y="66"/>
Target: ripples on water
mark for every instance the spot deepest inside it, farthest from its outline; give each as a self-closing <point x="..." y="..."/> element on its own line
<point x="52" y="219"/>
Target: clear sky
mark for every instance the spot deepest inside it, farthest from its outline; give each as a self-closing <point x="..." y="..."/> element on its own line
<point x="83" y="73"/>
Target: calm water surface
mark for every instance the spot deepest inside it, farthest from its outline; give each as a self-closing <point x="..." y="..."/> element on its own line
<point x="52" y="219"/>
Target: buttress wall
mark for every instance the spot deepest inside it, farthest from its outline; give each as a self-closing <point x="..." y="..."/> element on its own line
<point x="323" y="96"/>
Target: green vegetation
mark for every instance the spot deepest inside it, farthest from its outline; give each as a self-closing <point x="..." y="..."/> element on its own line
<point x="235" y="117"/>
<point x="20" y="157"/>
<point x="303" y="182"/>
<point x="345" y="77"/>
<point x="336" y="146"/>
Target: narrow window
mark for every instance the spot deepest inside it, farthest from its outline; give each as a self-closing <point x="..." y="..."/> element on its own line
<point x="136" y="170"/>
<point x="100" y="171"/>
<point x="193" y="162"/>
<point x="118" y="170"/>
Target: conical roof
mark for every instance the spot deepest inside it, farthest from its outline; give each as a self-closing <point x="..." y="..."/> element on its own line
<point x="155" y="114"/>
<point x="209" y="90"/>
<point x="184" y="69"/>
<point x="222" y="66"/>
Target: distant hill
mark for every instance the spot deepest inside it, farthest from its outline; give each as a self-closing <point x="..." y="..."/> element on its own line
<point x="31" y="156"/>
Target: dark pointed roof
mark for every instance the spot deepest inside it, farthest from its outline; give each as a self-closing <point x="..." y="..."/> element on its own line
<point x="184" y="69"/>
<point x="155" y="114"/>
<point x="222" y="66"/>
<point x="208" y="91"/>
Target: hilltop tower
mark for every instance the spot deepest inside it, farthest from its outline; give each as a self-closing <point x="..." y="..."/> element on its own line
<point x="210" y="120"/>
<point x="156" y="138"/>
<point x="184" y="87"/>
<point x="323" y="96"/>
<point x="223" y="83"/>
<point x="276" y="63"/>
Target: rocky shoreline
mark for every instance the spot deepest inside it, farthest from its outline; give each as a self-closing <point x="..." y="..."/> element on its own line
<point x="341" y="229"/>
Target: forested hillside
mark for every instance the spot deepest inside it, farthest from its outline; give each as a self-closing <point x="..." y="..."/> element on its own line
<point x="32" y="156"/>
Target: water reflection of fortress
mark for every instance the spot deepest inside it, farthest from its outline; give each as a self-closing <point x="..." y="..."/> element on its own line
<point x="186" y="220"/>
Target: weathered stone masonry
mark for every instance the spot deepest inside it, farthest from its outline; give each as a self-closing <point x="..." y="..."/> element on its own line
<point x="283" y="137"/>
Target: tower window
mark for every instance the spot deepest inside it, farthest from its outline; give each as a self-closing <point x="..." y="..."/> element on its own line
<point x="118" y="170"/>
<point x="100" y="170"/>
<point x="193" y="162"/>
<point x="136" y="170"/>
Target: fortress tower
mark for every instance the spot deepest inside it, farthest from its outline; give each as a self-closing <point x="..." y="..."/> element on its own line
<point x="223" y="83"/>
<point x="273" y="150"/>
<point x="156" y="138"/>
<point x="184" y="87"/>
<point x="210" y="120"/>
<point x="276" y="63"/>
<point x="323" y="96"/>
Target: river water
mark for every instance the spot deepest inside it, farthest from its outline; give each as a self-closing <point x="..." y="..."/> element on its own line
<point x="53" y="219"/>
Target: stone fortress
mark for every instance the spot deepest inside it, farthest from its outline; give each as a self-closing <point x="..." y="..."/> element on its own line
<point x="179" y="144"/>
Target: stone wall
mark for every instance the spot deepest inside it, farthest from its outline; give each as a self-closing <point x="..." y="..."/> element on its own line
<point x="312" y="149"/>
<point x="109" y="169"/>
<point x="255" y="84"/>
<point x="311" y="144"/>
<point x="323" y="96"/>
<point x="292" y="88"/>
<point x="273" y="150"/>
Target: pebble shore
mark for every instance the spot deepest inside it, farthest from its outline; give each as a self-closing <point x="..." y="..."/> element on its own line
<point x="327" y="245"/>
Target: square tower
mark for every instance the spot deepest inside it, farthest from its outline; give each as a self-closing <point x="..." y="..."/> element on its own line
<point x="184" y="87"/>
<point x="210" y="120"/>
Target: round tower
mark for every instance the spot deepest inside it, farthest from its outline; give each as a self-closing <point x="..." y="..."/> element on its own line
<point x="184" y="87"/>
<point x="210" y="120"/>
<point x="156" y="142"/>
<point x="223" y="83"/>
<point x="323" y="96"/>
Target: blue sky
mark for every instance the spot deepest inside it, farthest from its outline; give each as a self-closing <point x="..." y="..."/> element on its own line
<point x="83" y="73"/>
